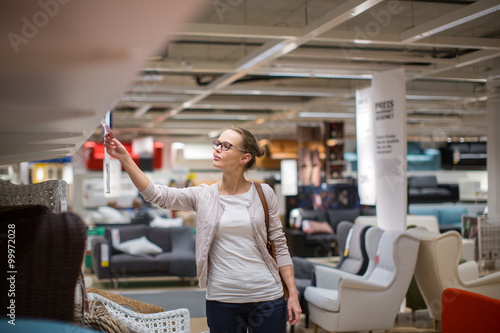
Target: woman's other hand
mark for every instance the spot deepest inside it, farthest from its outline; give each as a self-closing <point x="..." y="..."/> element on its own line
<point x="294" y="310"/>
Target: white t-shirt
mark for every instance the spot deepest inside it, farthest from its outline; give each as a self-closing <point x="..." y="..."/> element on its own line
<point x="238" y="273"/>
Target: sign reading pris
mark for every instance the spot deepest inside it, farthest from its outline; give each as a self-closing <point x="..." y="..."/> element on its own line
<point x="389" y="103"/>
<point x="365" y="147"/>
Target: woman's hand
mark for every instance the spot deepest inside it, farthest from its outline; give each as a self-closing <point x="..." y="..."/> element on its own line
<point x="294" y="309"/>
<point x="115" y="148"/>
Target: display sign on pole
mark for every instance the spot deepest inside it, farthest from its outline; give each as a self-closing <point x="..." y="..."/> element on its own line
<point x="389" y="106"/>
<point x="365" y="147"/>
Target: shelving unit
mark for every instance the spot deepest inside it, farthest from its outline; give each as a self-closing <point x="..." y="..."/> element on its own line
<point x="334" y="151"/>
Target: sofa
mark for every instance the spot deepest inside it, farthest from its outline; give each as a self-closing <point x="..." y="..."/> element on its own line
<point x="448" y="217"/>
<point x="464" y="154"/>
<point x="417" y="158"/>
<point x="144" y="251"/>
<point x="318" y="239"/>
<point x="426" y="189"/>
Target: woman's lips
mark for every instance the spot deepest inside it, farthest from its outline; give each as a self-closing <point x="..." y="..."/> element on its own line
<point x="216" y="158"/>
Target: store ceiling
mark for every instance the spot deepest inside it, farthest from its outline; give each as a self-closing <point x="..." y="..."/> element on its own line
<point x="271" y="65"/>
<point x="264" y="65"/>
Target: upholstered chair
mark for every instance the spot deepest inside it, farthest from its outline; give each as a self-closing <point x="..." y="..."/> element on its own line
<point x="438" y="268"/>
<point x="465" y="311"/>
<point x="343" y="301"/>
<point x="352" y="247"/>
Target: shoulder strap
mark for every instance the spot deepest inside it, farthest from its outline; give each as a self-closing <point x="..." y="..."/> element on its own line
<point x="262" y="197"/>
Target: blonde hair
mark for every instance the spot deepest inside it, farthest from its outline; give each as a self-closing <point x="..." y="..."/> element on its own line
<point x="250" y="145"/>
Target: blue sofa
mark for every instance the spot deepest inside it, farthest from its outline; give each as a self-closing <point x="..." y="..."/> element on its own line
<point x="418" y="159"/>
<point x="449" y="217"/>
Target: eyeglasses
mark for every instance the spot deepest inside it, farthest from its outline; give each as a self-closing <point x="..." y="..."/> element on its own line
<point x="225" y="146"/>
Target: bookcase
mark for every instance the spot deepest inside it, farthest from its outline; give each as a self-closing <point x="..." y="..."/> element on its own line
<point x="334" y="151"/>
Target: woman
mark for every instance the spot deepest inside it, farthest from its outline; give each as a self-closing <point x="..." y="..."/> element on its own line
<point x="244" y="289"/>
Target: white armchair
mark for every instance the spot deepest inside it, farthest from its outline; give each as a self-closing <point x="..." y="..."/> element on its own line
<point x="437" y="269"/>
<point x="346" y="302"/>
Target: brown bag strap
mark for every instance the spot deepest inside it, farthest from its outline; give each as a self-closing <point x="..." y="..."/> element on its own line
<point x="264" y="204"/>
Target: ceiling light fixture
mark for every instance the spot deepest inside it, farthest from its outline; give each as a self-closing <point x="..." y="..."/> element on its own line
<point x="140" y="112"/>
<point x="326" y="115"/>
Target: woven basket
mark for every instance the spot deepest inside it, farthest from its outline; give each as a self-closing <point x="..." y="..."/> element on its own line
<point x="51" y="193"/>
<point x="125" y="301"/>
<point x="177" y="321"/>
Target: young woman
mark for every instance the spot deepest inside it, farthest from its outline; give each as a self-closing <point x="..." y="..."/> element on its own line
<point x="244" y="290"/>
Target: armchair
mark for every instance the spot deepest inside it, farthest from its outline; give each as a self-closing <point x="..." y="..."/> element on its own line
<point x="377" y="295"/>
<point x="464" y="311"/>
<point x="437" y="269"/>
<point x="353" y="256"/>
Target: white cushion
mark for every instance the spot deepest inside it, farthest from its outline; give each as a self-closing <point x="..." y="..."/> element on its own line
<point x="160" y="222"/>
<point x="327" y="299"/>
<point x="139" y="246"/>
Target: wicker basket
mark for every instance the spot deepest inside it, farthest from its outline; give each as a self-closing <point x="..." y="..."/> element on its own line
<point x="177" y="321"/>
<point x="125" y="301"/>
<point x="51" y="193"/>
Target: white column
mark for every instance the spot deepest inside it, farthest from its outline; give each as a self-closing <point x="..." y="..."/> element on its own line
<point x="493" y="134"/>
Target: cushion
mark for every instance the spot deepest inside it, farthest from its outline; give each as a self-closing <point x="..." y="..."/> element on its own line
<point x="139" y="246"/>
<point x="160" y="222"/>
<point x="335" y="216"/>
<point x="462" y="147"/>
<point x="422" y="181"/>
<point x="110" y="214"/>
<point x="413" y="148"/>
<point x="117" y="235"/>
<point x="315" y="227"/>
<point x="327" y="299"/>
<point x="315" y="215"/>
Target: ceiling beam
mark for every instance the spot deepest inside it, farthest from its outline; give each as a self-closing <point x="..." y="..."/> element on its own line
<point x="451" y="20"/>
<point x="335" y="36"/>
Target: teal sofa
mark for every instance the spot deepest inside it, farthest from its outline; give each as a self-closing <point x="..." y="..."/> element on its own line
<point x="449" y="217"/>
<point x="417" y="159"/>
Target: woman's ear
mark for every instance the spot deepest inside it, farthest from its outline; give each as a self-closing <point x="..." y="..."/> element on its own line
<point x="246" y="158"/>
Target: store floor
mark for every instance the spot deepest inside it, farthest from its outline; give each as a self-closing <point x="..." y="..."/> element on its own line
<point x="404" y="323"/>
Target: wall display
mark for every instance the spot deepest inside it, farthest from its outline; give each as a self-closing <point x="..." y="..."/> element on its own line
<point x="389" y="103"/>
<point x="334" y="151"/>
<point x="365" y="147"/>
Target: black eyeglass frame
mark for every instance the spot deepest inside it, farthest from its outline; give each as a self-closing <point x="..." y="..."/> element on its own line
<point x="225" y="146"/>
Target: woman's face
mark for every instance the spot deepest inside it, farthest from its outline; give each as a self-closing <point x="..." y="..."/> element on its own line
<point x="233" y="158"/>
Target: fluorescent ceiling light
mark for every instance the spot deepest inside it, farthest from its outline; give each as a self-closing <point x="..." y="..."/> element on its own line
<point x="326" y="115"/>
<point x="178" y="145"/>
<point x="362" y="41"/>
<point x="140" y="97"/>
<point x="139" y="112"/>
<point x="213" y="116"/>
<point x="322" y="75"/>
<point x="433" y="98"/>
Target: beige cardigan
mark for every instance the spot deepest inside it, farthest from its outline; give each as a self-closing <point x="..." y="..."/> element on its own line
<point x="205" y="201"/>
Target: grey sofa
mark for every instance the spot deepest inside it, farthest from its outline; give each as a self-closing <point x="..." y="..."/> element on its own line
<point x="177" y="257"/>
<point x="426" y="189"/>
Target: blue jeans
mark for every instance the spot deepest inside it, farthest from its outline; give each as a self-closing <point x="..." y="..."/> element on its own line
<point x="260" y="317"/>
